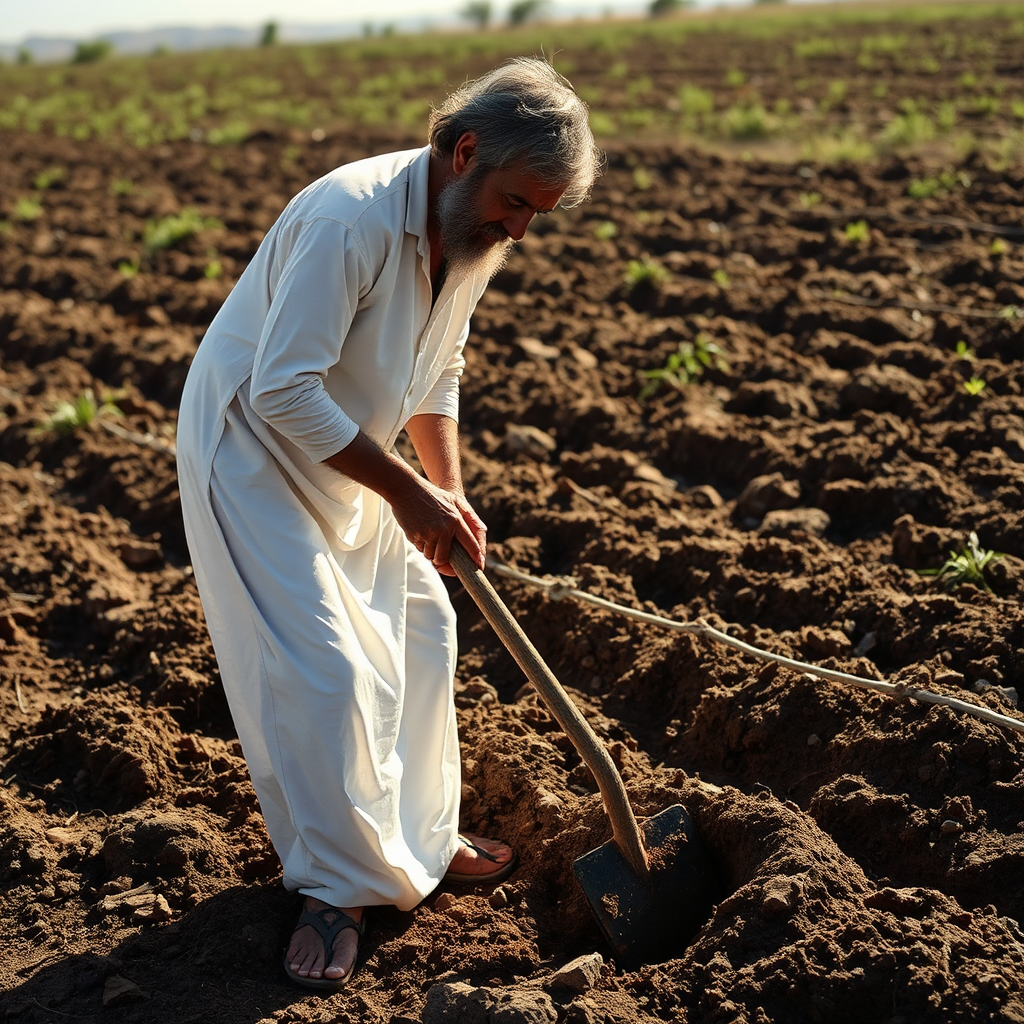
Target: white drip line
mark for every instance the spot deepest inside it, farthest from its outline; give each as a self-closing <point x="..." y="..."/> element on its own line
<point x="559" y="587"/>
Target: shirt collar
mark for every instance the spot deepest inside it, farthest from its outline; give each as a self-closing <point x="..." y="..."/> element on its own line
<point x="416" y="205"/>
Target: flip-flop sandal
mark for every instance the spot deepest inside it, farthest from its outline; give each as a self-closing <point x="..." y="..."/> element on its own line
<point x="328" y="932"/>
<point x="490" y="877"/>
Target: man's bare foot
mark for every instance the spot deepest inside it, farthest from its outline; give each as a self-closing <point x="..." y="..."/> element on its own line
<point x="480" y="858"/>
<point x="306" y="953"/>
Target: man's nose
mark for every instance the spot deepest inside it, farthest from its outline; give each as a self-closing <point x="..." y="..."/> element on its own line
<point x="517" y="223"/>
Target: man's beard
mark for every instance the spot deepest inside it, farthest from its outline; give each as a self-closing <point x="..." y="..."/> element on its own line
<point x="468" y="247"/>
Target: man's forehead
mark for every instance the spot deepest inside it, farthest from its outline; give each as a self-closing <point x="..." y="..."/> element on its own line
<point x="519" y="182"/>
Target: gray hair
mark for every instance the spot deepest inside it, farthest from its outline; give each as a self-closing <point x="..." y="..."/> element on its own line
<point x="523" y="110"/>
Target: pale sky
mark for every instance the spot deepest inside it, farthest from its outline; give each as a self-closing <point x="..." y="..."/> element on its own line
<point x="86" y="18"/>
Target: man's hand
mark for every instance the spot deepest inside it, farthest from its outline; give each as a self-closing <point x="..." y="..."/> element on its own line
<point x="434" y="518"/>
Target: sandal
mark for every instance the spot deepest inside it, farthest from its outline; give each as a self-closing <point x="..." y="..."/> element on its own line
<point x="328" y="930"/>
<point x="490" y="877"/>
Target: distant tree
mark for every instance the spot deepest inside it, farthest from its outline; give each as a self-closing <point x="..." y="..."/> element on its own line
<point x="523" y="11"/>
<point x="161" y="50"/>
<point x="478" y="12"/>
<point x="268" y="37"/>
<point x="24" y="55"/>
<point x="92" y="51"/>
<point x="659" y="8"/>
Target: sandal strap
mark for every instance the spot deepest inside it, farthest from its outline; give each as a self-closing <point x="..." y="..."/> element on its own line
<point x="330" y="930"/>
<point x="474" y="847"/>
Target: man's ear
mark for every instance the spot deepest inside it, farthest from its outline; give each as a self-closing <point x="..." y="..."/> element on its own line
<point x="465" y="152"/>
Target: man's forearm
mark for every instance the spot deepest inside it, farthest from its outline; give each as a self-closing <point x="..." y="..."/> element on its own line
<point x="367" y="463"/>
<point x="436" y="440"/>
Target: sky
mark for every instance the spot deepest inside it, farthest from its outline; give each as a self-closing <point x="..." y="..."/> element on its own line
<point x="84" y="19"/>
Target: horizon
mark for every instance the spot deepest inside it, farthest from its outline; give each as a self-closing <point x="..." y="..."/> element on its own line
<point x="70" y="19"/>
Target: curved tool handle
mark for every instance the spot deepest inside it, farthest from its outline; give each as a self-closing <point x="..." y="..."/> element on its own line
<point x="574" y="725"/>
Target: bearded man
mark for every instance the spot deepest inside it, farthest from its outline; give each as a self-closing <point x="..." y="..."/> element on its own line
<point x="316" y="548"/>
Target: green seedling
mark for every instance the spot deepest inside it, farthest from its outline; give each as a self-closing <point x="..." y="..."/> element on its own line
<point x="122" y="187"/>
<point x="170" y="231"/>
<point x="605" y="231"/>
<point x="71" y="416"/>
<point x="965" y="566"/>
<point x="128" y="268"/>
<point x="45" y="179"/>
<point x="1011" y="313"/>
<point x="684" y="366"/>
<point x="27" y="209"/>
<point x="721" y="278"/>
<point x="645" y="273"/>
<point x="997" y="248"/>
<point x="808" y="200"/>
<point x="857" y="232"/>
<point x="964" y="351"/>
<point x="974" y="386"/>
<point x="213" y="270"/>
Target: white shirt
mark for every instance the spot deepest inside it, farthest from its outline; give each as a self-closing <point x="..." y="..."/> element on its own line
<point x="330" y="328"/>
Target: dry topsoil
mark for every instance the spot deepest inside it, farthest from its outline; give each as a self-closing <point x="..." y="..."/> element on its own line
<point x="870" y="847"/>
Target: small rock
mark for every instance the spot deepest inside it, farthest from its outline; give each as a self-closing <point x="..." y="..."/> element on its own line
<point x="585" y="358"/>
<point x="138" y="554"/>
<point x="60" y="836"/>
<point x="814" y="740"/>
<point x="780" y="522"/>
<point x="580" y="974"/>
<point x="457" y="1001"/>
<point x="536" y="348"/>
<point x="705" y="496"/>
<point x="444" y="902"/>
<point x="155" y="909"/>
<point x="652" y="475"/>
<point x="766" y="493"/>
<point x="522" y="439"/>
<point x="118" y="991"/>
<point x="951" y="828"/>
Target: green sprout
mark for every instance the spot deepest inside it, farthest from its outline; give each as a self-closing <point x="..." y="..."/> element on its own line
<point x="964" y="351"/>
<point x="965" y="566"/>
<point x="997" y="248"/>
<point x="684" y="366"/>
<point x="605" y="231"/>
<point x="857" y="231"/>
<point x="809" y="199"/>
<point x="45" y="179"/>
<point x="974" y="386"/>
<point x="71" y="416"/>
<point x="169" y="231"/>
<point x="721" y="278"/>
<point x="27" y="209"/>
<point x="645" y="273"/>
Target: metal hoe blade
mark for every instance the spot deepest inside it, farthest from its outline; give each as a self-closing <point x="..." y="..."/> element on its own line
<point x="644" y="919"/>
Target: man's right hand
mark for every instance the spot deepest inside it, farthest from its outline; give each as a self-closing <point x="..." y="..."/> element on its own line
<point x="434" y="518"/>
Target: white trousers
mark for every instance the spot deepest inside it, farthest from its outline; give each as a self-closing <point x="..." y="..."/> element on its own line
<point x="338" y="666"/>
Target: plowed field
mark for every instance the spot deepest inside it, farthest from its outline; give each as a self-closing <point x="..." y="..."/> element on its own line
<point x="871" y="846"/>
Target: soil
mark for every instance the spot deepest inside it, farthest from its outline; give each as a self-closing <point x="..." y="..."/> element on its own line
<point x="869" y="847"/>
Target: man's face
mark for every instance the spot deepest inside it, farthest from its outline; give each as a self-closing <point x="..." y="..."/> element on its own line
<point x="483" y="213"/>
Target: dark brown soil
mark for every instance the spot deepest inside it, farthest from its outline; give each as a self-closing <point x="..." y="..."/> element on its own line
<point x="871" y="848"/>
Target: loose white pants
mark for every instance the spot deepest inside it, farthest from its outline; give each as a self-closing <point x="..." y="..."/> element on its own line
<point x="338" y="666"/>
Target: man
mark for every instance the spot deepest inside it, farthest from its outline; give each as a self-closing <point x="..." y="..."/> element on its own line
<point x="316" y="548"/>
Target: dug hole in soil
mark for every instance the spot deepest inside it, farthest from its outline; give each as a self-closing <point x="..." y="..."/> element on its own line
<point x="871" y="847"/>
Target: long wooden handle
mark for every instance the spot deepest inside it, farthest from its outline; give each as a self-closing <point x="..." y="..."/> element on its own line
<point x="616" y="804"/>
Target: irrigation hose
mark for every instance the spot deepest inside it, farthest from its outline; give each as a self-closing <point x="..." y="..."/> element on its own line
<point x="558" y="588"/>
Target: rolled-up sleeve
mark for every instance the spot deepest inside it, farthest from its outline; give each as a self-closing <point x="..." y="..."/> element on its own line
<point x="443" y="397"/>
<point x="313" y="302"/>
